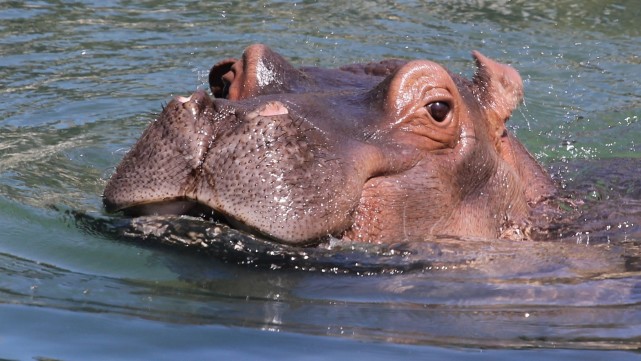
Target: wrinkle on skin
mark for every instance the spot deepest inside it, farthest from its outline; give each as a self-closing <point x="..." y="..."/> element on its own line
<point x="416" y="83"/>
<point x="404" y="96"/>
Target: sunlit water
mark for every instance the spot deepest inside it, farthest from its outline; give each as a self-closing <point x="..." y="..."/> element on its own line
<point x="80" y="81"/>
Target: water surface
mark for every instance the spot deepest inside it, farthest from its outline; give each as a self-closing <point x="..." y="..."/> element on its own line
<point x="80" y="81"/>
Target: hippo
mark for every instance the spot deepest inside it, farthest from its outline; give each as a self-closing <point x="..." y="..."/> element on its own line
<point x="373" y="152"/>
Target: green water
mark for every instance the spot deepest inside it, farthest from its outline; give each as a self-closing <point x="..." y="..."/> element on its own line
<point x="80" y="81"/>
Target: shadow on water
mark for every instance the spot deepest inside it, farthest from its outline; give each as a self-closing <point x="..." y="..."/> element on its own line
<point x="210" y="239"/>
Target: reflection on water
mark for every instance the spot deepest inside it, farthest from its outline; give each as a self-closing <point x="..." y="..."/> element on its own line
<point x="80" y="80"/>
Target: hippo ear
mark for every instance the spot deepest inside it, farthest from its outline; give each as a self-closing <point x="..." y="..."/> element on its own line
<point x="499" y="89"/>
<point x="219" y="86"/>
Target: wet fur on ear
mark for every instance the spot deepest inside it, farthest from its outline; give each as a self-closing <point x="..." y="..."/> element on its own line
<point x="499" y="90"/>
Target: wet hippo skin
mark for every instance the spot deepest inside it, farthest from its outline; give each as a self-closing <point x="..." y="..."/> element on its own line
<point x="375" y="152"/>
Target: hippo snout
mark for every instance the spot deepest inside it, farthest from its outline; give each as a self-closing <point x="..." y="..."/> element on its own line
<point x="258" y="165"/>
<point x="161" y="165"/>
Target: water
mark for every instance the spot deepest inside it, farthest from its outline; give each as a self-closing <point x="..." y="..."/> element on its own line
<point x="80" y="80"/>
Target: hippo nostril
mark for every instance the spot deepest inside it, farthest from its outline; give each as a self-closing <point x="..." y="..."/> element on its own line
<point x="195" y="103"/>
<point x="199" y="96"/>
<point x="182" y="99"/>
<point x="193" y="107"/>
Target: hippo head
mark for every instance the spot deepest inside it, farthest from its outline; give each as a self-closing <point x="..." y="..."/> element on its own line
<point x="374" y="152"/>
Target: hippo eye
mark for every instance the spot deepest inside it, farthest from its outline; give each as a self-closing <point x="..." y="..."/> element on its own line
<point x="439" y="111"/>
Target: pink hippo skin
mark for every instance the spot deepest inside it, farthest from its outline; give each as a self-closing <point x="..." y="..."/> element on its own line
<point x="377" y="152"/>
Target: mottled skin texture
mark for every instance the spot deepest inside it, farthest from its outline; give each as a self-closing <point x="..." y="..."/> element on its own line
<point x="376" y="152"/>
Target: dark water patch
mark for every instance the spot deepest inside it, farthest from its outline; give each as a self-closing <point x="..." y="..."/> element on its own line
<point x="600" y="202"/>
<point x="218" y="240"/>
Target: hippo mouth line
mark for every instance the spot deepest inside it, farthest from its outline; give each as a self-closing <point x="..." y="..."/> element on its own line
<point x="188" y="207"/>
